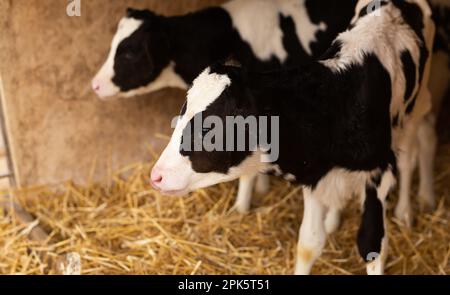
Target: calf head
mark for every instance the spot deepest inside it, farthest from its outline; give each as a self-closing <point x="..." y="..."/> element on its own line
<point x="139" y="53"/>
<point x="201" y="151"/>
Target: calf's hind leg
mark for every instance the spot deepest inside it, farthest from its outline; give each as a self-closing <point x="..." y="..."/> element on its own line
<point x="407" y="159"/>
<point x="372" y="234"/>
<point x="427" y="149"/>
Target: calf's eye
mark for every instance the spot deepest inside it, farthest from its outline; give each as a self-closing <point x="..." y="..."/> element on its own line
<point x="128" y="55"/>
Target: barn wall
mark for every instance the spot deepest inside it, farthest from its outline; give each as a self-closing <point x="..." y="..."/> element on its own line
<point x="56" y="125"/>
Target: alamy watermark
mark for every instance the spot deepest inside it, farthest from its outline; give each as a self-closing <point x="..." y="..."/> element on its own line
<point x="372" y="256"/>
<point x="235" y="133"/>
<point x="73" y="8"/>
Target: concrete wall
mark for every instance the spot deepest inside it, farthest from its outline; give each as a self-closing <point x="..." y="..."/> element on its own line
<point x="56" y="125"/>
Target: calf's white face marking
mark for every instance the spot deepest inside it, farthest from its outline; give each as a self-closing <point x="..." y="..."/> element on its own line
<point x="173" y="173"/>
<point x="102" y="83"/>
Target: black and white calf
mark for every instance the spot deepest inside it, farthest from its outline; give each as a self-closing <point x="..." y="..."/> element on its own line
<point x="150" y="51"/>
<point x="343" y="123"/>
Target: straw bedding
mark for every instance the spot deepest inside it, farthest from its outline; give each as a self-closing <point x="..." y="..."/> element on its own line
<point x="128" y="228"/>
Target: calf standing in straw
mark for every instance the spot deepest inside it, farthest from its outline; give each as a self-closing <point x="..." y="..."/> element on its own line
<point x="342" y="124"/>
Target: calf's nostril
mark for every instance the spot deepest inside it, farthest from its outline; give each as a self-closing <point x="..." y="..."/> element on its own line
<point x="96" y="86"/>
<point x="156" y="177"/>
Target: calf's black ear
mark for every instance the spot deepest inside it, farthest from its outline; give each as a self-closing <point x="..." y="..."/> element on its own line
<point x="233" y="69"/>
<point x="228" y="65"/>
<point x="232" y="62"/>
<point x="143" y="14"/>
<point x="131" y="11"/>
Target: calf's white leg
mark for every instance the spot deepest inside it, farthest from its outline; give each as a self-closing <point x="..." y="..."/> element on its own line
<point x="407" y="159"/>
<point x="244" y="195"/>
<point x="312" y="234"/>
<point x="427" y="149"/>
<point x="332" y="220"/>
<point x="262" y="184"/>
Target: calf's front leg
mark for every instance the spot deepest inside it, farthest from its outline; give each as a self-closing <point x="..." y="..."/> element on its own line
<point x="312" y="235"/>
<point x="332" y="220"/>
<point x="245" y="190"/>
<point x="244" y="195"/>
<point x="262" y="185"/>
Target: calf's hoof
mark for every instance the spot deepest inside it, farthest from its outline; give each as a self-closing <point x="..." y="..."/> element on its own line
<point x="241" y="208"/>
<point x="404" y="215"/>
<point x="427" y="204"/>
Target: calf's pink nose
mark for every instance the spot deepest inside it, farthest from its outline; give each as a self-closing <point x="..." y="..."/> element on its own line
<point x="96" y="86"/>
<point x="156" y="177"/>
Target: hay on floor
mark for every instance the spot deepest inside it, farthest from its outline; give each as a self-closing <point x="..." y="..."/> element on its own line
<point x="128" y="228"/>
